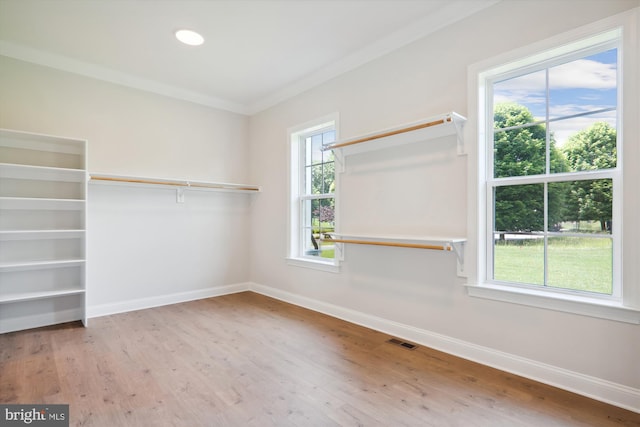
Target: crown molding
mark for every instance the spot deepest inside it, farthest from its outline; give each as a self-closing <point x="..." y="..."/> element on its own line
<point x="64" y="63"/>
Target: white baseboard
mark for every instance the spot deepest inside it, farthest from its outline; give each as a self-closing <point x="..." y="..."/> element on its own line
<point x="157" y="301"/>
<point x="595" y="388"/>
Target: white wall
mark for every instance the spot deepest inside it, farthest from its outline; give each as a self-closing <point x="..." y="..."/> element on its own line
<point x="146" y="248"/>
<point x="142" y="245"/>
<point x="416" y="289"/>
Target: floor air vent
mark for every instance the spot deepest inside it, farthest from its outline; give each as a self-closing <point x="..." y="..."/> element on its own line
<point x="401" y="343"/>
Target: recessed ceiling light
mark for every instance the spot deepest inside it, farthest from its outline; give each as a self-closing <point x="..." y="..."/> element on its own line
<point x="189" y="37"/>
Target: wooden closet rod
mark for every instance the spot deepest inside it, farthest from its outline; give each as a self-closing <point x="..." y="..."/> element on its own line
<point x="399" y="245"/>
<point x="222" y="186"/>
<point x="174" y="183"/>
<point x="136" y="181"/>
<point x="390" y="133"/>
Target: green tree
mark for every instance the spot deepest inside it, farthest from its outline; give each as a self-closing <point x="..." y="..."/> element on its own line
<point x="591" y="149"/>
<point x="518" y="152"/>
<point x="323" y="178"/>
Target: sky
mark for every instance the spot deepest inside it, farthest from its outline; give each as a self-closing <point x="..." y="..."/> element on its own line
<point x="584" y="85"/>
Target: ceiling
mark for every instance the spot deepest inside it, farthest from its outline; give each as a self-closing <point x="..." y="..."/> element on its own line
<point x="256" y="54"/>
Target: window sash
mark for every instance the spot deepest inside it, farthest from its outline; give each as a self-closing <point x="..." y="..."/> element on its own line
<point x="615" y="235"/>
<point x="305" y="226"/>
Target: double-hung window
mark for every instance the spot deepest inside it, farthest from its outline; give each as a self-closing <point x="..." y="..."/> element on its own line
<point x="550" y="194"/>
<point x="312" y="212"/>
<point x="553" y="173"/>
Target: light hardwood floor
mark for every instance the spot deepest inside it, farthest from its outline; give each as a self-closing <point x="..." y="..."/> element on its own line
<point x="248" y="360"/>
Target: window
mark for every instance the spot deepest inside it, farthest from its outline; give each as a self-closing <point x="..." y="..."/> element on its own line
<point x="549" y="194"/>
<point x="312" y="214"/>
<point x="552" y="170"/>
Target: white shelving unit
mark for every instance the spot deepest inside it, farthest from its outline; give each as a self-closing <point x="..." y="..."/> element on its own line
<point x="43" y="188"/>
<point x="421" y="131"/>
<point x="442" y="126"/>
<point x="447" y="244"/>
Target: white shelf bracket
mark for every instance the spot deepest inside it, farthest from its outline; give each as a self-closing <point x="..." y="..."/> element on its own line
<point x="338" y="158"/>
<point x="458" y="249"/>
<point x="339" y="251"/>
<point x="180" y="195"/>
<point x="458" y="122"/>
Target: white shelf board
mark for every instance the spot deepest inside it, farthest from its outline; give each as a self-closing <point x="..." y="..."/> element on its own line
<point x="41" y="142"/>
<point x="41" y="173"/>
<point x="30" y="296"/>
<point x="39" y="265"/>
<point x="35" y="203"/>
<point x="41" y="319"/>
<point x="41" y="234"/>
<point x="420" y="131"/>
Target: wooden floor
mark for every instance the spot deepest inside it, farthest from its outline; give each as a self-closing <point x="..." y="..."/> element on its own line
<point x="248" y="360"/>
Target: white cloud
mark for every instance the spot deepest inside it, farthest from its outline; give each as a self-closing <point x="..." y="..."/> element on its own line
<point x="563" y="110"/>
<point x="563" y="129"/>
<point x="520" y="97"/>
<point x="579" y="74"/>
<point x="533" y="82"/>
<point x="583" y="74"/>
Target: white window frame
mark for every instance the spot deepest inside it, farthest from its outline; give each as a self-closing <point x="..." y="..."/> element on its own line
<point x="296" y="139"/>
<point x="624" y="304"/>
<point x="602" y="42"/>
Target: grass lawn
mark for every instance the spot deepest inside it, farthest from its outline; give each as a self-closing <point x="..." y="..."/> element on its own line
<point x="327" y="253"/>
<point x="573" y="263"/>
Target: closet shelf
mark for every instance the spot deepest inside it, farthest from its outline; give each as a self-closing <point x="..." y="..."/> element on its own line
<point x="30" y="296"/>
<point x="42" y="229"/>
<point x="41" y="173"/>
<point x="42" y="143"/>
<point x="449" y="244"/>
<point x="39" y="265"/>
<point x="178" y="184"/>
<point x="40" y="234"/>
<point x="420" y="131"/>
<point x="35" y="203"/>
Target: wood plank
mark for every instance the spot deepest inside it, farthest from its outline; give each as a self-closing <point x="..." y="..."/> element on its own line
<point x="246" y="359"/>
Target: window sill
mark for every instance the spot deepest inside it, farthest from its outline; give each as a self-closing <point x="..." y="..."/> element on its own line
<point x="330" y="267"/>
<point x="582" y="305"/>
